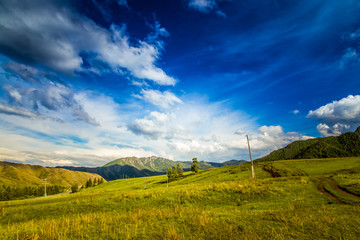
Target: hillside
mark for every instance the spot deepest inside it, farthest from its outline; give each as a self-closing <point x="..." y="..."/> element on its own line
<point x="21" y="175"/>
<point x="147" y="166"/>
<point x="345" y="145"/>
<point x="292" y="199"/>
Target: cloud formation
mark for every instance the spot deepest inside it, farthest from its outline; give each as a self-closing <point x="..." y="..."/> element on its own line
<point x="44" y="100"/>
<point x="164" y="99"/>
<point x="343" y="115"/>
<point x="202" y="5"/>
<point x="334" y="130"/>
<point x="206" y="6"/>
<point x="45" y="41"/>
<point x="346" y="110"/>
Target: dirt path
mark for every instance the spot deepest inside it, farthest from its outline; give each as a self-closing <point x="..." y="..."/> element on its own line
<point x="321" y="187"/>
<point x="271" y="171"/>
<point x="342" y="190"/>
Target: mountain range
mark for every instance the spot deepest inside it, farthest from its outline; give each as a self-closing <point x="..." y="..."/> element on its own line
<point x="146" y="166"/>
<point x="345" y="145"/>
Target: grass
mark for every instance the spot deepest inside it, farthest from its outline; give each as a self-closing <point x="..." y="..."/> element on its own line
<point x="20" y="175"/>
<point x="223" y="203"/>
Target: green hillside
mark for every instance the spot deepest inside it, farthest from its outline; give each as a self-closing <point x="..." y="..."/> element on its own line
<point x="130" y="167"/>
<point x="21" y="175"/>
<point x="345" y="145"/>
<point x="292" y="199"/>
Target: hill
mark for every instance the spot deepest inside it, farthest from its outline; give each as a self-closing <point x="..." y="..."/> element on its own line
<point x="147" y="166"/>
<point x="22" y="175"/>
<point x="345" y="145"/>
<point x="290" y="199"/>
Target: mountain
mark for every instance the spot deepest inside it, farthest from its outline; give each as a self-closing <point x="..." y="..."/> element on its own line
<point x="147" y="166"/>
<point x="21" y="175"/>
<point x="345" y="145"/>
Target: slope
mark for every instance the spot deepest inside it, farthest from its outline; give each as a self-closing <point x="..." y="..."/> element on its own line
<point x="345" y="145"/>
<point x="221" y="203"/>
<point x="20" y="175"/>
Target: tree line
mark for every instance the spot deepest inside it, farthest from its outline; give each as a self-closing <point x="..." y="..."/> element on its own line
<point x="89" y="183"/>
<point x="177" y="171"/>
<point x="12" y="193"/>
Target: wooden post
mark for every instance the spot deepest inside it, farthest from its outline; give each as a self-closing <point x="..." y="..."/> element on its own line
<point x="45" y="187"/>
<point x="167" y="180"/>
<point x="252" y="163"/>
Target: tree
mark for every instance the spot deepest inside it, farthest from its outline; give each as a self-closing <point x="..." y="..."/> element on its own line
<point x="101" y="181"/>
<point x="180" y="171"/>
<point x="74" y="188"/>
<point x="170" y="174"/>
<point x="195" y="165"/>
<point x="174" y="171"/>
<point x="88" y="183"/>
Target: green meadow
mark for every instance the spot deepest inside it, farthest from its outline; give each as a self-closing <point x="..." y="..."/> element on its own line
<point x="292" y="199"/>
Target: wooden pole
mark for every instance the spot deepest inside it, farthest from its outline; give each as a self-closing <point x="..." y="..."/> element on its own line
<point x="167" y="180"/>
<point x="45" y="187"/>
<point x="252" y="163"/>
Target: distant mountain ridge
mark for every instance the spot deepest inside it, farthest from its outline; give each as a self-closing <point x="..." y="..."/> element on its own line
<point x="345" y="145"/>
<point x="146" y="166"/>
<point x="21" y="175"/>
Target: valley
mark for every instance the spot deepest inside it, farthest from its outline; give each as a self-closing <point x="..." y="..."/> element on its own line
<point x="290" y="199"/>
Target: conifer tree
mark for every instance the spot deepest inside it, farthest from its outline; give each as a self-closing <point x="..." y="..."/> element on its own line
<point x="180" y="171"/>
<point x="170" y="174"/>
<point x="195" y="165"/>
<point x="174" y="171"/>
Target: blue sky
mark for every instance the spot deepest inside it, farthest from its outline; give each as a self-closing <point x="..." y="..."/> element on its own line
<point x="86" y="82"/>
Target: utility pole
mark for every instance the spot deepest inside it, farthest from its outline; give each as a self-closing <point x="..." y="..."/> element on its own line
<point x="167" y="180"/>
<point x="45" y="186"/>
<point x="252" y="163"/>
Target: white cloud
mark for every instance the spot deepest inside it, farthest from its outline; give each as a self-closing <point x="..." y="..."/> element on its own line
<point x="343" y="115"/>
<point x="202" y="5"/>
<point x="335" y="130"/>
<point x="349" y="58"/>
<point x="295" y="112"/>
<point x="42" y="30"/>
<point x="346" y="110"/>
<point x="164" y="99"/>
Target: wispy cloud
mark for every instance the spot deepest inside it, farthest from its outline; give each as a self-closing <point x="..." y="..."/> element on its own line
<point x="202" y="5"/>
<point x="350" y="58"/>
<point x="164" y="99"/>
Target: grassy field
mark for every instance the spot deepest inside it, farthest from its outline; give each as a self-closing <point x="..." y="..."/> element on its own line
<point x="292" y="199"/>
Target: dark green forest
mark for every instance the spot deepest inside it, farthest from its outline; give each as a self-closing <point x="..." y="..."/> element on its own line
<point x="12" y="193"/>
<point x="345" y="145"/>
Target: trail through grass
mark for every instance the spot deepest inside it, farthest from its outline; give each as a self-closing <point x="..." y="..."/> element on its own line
<point x="223" y="203"/>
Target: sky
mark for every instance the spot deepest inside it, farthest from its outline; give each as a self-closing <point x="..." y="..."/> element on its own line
<point x="87" y="82"/>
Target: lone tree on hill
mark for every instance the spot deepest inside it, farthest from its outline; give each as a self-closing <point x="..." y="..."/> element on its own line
<point x="170" y="174"/>
<point x="195" y="165"/>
